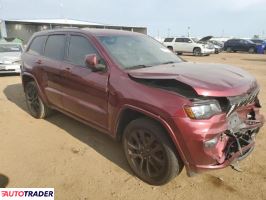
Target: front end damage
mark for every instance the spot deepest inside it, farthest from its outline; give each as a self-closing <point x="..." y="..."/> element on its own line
<point x="229" y="138"/>
<point x="220" y="125"/>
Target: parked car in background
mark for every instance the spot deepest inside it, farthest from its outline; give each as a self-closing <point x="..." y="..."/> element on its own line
<point x="219" y="46"/>
<point x="10" y="57"/>
<point x="234" y="45"/>
<point x="261" y="45"/>
<point x="188" y="45"/>
<point x="167" y="113"/>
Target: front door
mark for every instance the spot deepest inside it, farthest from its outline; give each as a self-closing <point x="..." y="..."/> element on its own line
<point x="85" y="91"/>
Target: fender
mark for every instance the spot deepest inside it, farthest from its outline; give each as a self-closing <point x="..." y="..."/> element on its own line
<point x="160" y="120"/>
<point x="41" y="93"/>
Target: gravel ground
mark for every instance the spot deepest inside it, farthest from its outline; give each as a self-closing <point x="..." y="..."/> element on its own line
<point x="81" y="163"/>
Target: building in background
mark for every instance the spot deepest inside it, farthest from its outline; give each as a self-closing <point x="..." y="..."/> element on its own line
<point x="23" y="29"/>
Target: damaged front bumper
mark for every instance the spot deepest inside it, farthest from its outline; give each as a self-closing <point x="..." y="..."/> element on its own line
<point x="232" y="138"/>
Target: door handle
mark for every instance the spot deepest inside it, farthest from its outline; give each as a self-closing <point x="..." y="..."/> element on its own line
<point x="38" y="62"/>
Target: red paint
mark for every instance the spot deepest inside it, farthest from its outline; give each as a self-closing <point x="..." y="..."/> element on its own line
<point x="98" y="98"/>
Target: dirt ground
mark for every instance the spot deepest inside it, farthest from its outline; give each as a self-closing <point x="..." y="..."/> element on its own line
<point x="81" y="163"/>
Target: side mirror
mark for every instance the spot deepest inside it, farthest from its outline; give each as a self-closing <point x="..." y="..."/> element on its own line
<point x="92" y="62"/>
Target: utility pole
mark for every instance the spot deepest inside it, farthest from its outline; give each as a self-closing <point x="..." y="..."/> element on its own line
<point x="188" y="31"/>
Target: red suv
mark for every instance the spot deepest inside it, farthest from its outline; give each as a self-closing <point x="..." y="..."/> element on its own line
<point x="167" y="112"/>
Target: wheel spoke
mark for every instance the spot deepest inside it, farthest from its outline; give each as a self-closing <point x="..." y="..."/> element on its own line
<point x="150" y="140"/>
<point x="148" y="168"/>
<point x="134" y="155"/>
<point x="141" y="165"/>
<point x="158" y="160"/>
<point x="156" y="149"/>
<point x="142" y="137"/>
<point x="154" y="165"/>
<point x="132" y="146"/>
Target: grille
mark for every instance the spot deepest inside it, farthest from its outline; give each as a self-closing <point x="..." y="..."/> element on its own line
<point x="243" y="100"/>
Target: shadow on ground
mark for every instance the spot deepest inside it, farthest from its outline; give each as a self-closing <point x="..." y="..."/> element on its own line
<point x="4" y="180"/>
<point x="255" y="59"/>
<point x="100" y="142"/>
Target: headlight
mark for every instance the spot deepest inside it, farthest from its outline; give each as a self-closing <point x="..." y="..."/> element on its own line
<point x="203" y="109"/>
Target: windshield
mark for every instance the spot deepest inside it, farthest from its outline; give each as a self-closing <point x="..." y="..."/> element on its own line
<point x="132" y="51"/>
<point x="10" y="48"/>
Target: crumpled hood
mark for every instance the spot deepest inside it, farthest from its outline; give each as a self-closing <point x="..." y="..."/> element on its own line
<point x="9" y="57"/>
<point x="206" y="79"/>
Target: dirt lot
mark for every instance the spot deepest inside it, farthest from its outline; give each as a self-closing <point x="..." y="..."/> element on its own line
<point x="81" y="163"/>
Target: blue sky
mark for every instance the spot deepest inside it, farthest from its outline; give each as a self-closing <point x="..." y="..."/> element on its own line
<point x="204" y="17"/>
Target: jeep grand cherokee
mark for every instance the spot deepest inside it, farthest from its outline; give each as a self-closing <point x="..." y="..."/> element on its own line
<point x="167" y="113"/>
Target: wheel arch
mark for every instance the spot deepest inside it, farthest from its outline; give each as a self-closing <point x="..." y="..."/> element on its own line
<point x="132" y="113"/>
<point x="27" y="77"/>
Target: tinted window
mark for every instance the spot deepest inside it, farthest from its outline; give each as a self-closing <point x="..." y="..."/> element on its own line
<point x="79" y="47"/>
<point x="187" y="40"/>
<point x="37" y="44"/>
<point x="55" y="47"/>
<point x="168" y="39"/>
<point x="179" y="40"/>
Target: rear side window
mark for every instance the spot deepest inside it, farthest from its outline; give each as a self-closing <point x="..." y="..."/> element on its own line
<point x="55" y="47"/>
<point x="187" y="40"/>
<point x="179" y="40"/>
<point x="79" y="47"/>
<point x="36" y="46"/>
<point x="168" y="39"/>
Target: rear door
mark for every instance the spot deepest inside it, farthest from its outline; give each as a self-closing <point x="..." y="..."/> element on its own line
<point x="85" y="91"/>
<point x="188" y="45"/>
<point x="52" y="71"/>
<point x="178" y="45"/>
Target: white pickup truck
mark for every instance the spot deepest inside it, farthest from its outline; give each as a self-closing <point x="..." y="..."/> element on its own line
<point x="189" y="45"/>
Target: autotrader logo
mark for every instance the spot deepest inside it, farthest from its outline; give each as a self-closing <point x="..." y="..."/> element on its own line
<point x="27" y="193"/>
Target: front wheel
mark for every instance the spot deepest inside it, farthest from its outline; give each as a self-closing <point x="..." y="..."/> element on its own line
<point x="150" y="153"/>
<point x="34" y="103"/>
<point x="197" y="52"/>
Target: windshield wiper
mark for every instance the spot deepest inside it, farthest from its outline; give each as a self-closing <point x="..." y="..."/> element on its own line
<point x="138" y="66"/>
<point x="169" y="62"/>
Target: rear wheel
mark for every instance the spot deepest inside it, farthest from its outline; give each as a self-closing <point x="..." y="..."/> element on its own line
<point x="196" y="51"/>
<point x="228" y="49"/>
<point x="34" y="103"/>
<point x="150" y="153"/>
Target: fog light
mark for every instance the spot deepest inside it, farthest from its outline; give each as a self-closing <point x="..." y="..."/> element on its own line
<point x="211" y="143"/>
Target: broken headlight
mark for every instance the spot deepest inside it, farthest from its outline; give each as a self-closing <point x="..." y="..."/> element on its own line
<point x="203" y="109"/>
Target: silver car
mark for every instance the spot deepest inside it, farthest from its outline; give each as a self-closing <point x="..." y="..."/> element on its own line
<point x="10" y="57"/>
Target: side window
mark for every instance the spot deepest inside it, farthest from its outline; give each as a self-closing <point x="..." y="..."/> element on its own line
<point x="179" y="40"/>
<point x="168" y="39"/>
<point x="55" y="47"/>
<point x="37" y="44"/>
<point x="187" y="40"/>
<point x="79" y="47"/>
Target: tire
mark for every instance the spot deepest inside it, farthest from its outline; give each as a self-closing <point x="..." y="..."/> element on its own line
<point x="228" y="49"/>
<point x="150" y="153"/>
<point x="197" y="51"/>
<point x="216" y="51"/>
<point x="34" y="103"/>
<point x="251" y="50"/>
